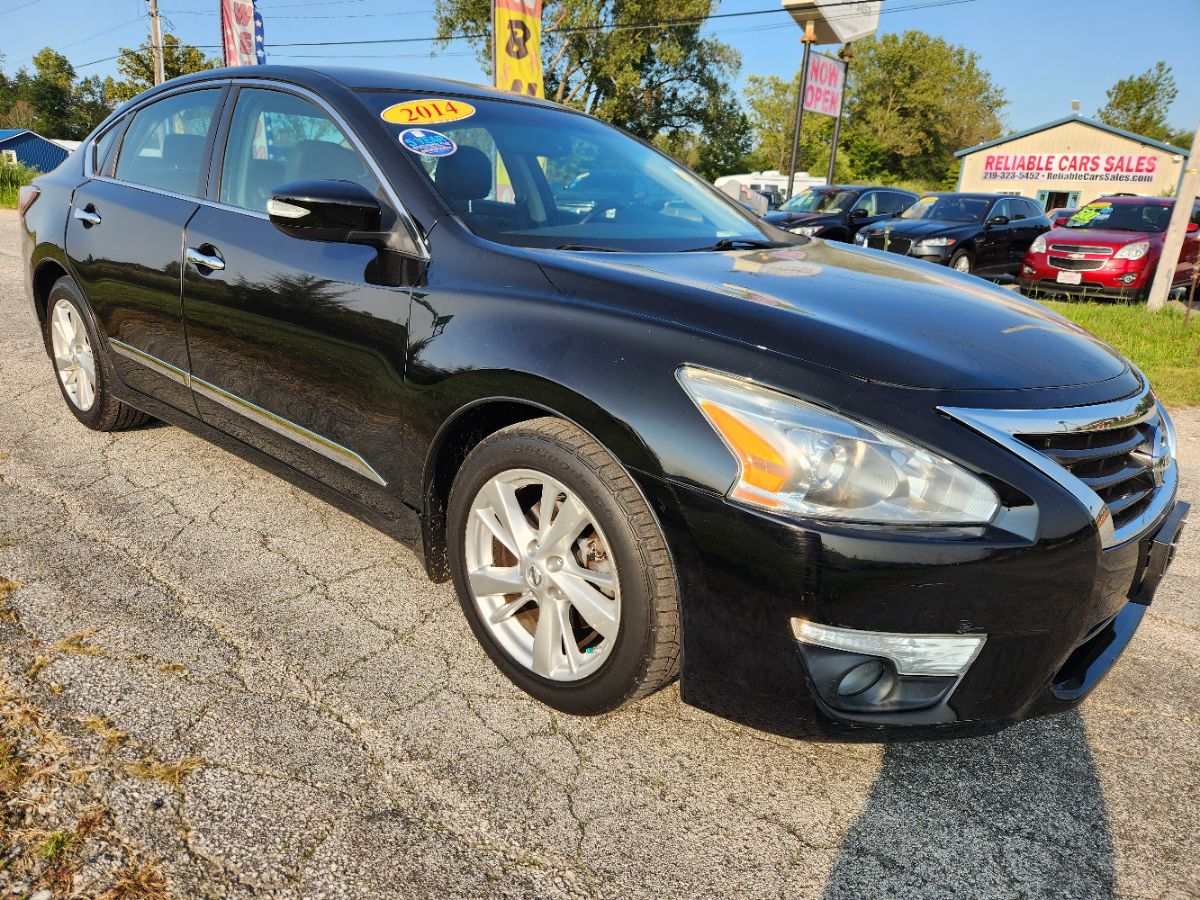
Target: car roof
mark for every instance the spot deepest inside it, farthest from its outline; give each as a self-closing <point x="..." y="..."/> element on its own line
<point x="356" y="79"/>
<point x="857" y="187"/>
<point x="966" y="195"/>
<point x="1141" y="201"/>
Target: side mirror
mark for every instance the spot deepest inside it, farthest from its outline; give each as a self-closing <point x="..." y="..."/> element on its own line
<point x="998" y="220"/>
<point x="1193" y="228"/>
<point x="858" y="213"/>
<point x="335" y="211"/>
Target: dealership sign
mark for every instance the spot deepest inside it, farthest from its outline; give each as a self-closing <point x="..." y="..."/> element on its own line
<point x="824" y="86"/>
<point x="1071" y="167"/>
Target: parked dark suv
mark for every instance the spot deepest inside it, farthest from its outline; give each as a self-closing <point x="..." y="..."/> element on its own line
<point x="983" y="234"/>
<point x="837" y="212"/>
<point x="651" y="438"/>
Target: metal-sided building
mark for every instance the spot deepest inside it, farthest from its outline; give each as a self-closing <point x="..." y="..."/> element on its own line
<point x="1072" y="161"/>
<point x="30" y="148"/>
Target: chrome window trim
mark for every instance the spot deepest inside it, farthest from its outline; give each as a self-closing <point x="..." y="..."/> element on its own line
<point x="1002" y="426"/>
<point x="286" y="87"/>
<point x="306" y="438"/>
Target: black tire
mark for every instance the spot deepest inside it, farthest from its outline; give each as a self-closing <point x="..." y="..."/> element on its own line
<point x="959" y="255"/>
<point x="645" y="654"/>
<point x="106" y="413"/>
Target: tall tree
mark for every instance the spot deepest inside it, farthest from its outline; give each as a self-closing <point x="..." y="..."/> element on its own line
<point x="137" y="67"/>
<point x="772" y="102"/>
<point x="646" y="80"/>
<point x="1140" y="103"/>
<point x="913" y="100"/>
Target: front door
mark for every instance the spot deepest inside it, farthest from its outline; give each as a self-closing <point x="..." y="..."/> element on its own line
<point x="994" y="244"/>
<point x="125" y="240"/>
<point x="295" y="349"/>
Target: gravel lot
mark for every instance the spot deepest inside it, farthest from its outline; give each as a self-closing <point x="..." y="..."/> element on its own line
<point x="350" y="739"/>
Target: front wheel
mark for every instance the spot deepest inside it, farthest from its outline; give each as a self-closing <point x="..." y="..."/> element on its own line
<point x="962" y="262"/>
<point x="562" y="570"/>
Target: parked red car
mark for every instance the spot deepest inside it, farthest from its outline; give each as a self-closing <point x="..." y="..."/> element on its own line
<point x="1109" y="248"/>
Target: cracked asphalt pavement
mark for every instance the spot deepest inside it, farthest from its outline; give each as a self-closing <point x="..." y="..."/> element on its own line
<point x="355" y="741"/>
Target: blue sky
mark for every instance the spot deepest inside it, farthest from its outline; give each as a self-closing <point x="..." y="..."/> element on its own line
<point x="1044" y="53"/>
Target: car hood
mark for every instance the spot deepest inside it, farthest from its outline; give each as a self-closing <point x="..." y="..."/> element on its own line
<point x="874" y="316"/>
<point x="782" y="217"/>
<point x="1101" y="237"/>
<point x="922" y="228"/>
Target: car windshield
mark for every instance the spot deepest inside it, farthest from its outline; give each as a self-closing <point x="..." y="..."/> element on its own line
<point x="948" y="209"/>
<point x="542" y="177"/>
<point x="1148" y="218"/>
<point x="811" y="201"/>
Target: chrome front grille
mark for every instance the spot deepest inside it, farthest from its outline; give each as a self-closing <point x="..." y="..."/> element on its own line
<point x="1118" y="464"/>
<point x="1081" y="248"/>
<point x="1075" y="265"/>
<point x="1117" y="459"/>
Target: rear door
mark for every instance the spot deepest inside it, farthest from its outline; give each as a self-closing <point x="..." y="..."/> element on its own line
<point x="125" y="238"/>
<point x="297" y="346"/>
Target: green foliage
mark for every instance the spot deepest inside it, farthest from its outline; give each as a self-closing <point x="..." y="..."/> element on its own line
<point x="1163" y="344"/>
<point x="137" y="68"/>
<point x="669" y="85"/>
<point x="772" y="103"/>
<point x="1140" y="103"/>
<point x="14" y="176"/>
<point x="915" y="99"/>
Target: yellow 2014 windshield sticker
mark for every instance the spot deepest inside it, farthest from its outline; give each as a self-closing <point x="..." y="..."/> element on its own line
<point x="428" y="112"/>
<point x="1089" y="212"/>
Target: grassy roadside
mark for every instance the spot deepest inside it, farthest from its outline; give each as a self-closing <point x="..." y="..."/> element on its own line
<point x="12" y="179"/>
<point x="1161" y="345"/>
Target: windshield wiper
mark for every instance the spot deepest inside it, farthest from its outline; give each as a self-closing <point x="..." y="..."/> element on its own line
<point x="588" y="248"/>
<point x="739" y="244"/>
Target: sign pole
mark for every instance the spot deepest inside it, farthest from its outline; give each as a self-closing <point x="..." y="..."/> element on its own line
<point x="846" y="54"/>
<point x="1176" y="229"/>
<point x="808" y="40"/>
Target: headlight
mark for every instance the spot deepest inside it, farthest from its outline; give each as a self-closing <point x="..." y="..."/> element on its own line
<point x="938" y="242"/>
<point x="1038" y="245"/>
<point x="799" y="459"/>
<point x="806" y="230"/>
<point x="1136" y="250"/>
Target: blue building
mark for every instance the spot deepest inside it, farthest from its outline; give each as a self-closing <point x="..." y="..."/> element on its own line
<point x="30" y="148"/>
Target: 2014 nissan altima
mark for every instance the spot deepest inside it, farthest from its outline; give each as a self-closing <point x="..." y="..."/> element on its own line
<point x="647" y="437"/>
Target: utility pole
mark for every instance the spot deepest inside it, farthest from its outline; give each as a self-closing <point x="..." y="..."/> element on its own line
<point x="1189" y="185"/>
<point x="156" y="44"/>
<point x="847" y="54"/>
<point x="810" y="38"/>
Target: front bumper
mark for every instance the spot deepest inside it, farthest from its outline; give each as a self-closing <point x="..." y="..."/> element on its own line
<point x="1056" y="616"/>
<point x="1042" y="288"/>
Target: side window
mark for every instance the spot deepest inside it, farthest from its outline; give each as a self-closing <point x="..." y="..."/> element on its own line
<point x="891" y="202"/>
<point x="102" y="145"/>
<point x="1018" y="209"/>
<point x="164" y="146"/>
<point x="1002" y="208"/>
<point x="1032" y="210"/>
<point x="869" y="202"/>
<point x="277" y="138"/>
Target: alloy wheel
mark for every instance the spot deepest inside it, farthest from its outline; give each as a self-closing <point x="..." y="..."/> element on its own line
<point x="73" y="357"/>
<point x="542" y="575"/>
<point x="963" y="264"/>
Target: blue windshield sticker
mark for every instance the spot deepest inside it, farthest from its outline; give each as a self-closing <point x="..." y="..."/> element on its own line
<point x="427" y="142"/>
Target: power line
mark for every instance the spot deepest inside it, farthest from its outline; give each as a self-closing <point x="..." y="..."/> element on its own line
<point x="5" y="12"/>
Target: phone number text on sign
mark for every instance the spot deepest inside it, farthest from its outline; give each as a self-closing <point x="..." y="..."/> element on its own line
<point x="826" y="82"/>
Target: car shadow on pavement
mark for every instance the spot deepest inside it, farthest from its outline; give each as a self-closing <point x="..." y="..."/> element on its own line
<point x="1019" y="813"/>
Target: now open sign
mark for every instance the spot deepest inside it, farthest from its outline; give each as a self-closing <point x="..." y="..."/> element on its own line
<point x="824" y="85"/>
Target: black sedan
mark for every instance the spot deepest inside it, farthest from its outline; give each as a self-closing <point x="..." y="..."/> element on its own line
<point x="651" y="438"/>
<point x="983" y="234"/>
<point x="838" y="212"/>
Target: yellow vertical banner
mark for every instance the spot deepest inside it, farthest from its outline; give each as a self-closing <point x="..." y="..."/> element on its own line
<point x="517" y="46"/>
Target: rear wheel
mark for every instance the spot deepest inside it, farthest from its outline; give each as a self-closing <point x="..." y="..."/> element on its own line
<point x="962" y="261"/>
<point x="84" y="372"/>
<point x="562" y="570"/>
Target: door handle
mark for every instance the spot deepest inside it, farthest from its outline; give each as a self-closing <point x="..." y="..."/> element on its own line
<point x="88" y="217"/>
<point x="200" y="260"/>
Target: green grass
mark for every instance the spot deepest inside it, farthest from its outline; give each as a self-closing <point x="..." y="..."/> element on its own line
<point x="1160" y="344"/>
<point x="12" y="178"/>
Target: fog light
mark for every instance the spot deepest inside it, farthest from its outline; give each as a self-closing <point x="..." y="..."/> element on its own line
<point x="911" y="654"/>
<point x="1129" y="277"/>
<point x="1029" y="270"/>
<point x="861" y="678"/>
